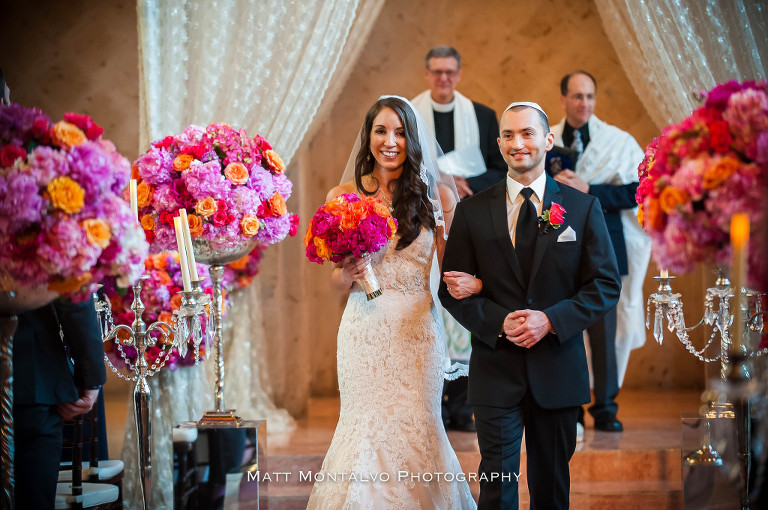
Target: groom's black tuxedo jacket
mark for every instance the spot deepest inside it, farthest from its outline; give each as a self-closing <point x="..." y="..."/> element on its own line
<point x="573" y="282"/>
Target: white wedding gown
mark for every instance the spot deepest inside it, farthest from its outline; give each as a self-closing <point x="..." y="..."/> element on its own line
<point x="390" y="450"/>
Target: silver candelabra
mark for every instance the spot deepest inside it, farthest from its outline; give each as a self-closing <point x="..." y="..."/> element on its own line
<point x="186" y="325"/>
<point x="729" y="397"/>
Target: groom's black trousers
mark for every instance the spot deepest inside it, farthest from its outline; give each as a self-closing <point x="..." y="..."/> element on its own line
<point x="550" y="440"/>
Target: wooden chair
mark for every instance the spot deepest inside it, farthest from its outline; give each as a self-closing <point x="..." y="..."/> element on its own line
<point x="87" y="484"/>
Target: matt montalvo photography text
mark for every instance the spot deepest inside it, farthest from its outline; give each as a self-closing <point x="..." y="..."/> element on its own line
<point x="384" y="477"/>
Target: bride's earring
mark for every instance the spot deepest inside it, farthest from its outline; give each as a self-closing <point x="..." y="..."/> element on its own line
<point x="368" y="157"/>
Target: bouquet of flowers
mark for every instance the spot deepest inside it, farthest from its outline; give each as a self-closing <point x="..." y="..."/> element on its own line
<point x="233" y="188"/>
<point x="63" y="222"/>
<point x="700" y="172"/>
<point x="350" y="225"/>
<point x="160" y="295"/>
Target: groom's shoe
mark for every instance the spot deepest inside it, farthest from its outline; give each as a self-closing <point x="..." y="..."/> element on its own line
<point x="608" y="423"/>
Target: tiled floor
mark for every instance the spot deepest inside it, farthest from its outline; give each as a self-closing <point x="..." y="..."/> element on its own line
<point x="638" y="468"/>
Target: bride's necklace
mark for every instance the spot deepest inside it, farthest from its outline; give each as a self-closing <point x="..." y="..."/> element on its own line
<point x="382" y="195"/>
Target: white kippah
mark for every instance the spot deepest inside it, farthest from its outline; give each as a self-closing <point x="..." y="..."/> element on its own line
<point x="535" y="106"/>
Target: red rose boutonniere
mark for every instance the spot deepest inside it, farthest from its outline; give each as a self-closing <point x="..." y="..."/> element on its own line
<point x="552" y="218"/>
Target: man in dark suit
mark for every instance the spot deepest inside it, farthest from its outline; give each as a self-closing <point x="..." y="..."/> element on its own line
<point x="466" y="132"/>
<point x="58" y="363"/>
<point x="541" y="286"/>
<point x="607" y="169"/>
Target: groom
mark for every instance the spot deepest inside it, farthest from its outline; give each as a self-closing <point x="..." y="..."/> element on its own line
<point x="544" y="281"/>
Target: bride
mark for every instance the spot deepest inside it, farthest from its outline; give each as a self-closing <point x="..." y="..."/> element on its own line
<point x="390" y="450"/>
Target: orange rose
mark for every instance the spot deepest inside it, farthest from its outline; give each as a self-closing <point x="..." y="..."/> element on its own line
<point x="670" y="198"/>
<point x="640" y="215"/>
<point x="308" y="235"/>
<point x="250" y="225"/>
<point x="274" y="160"/>
<point x="392" y="226"/>
<point x="175" y="302"/>
<point x="276" y="204"/>
<point x="148" y="263"/>
<point x="206" y="207"/>
<point x="719" y="172"/>
<point x="135" y="173"/>
<point x="240" y="263"/>
<point x="182" y="162"/>
<point x="144" y="194"/>
<point x="380" y="209"/>
<point x="195" y="225"/>
<point x="67" y="135"/>
<point x="322" y="250"/>
<point x="97" y="232"/>
<point x="163" y="277"/>
<point x="159" y="261"/>
<point x="66" y="194"/>
<point x="244" y="281"/>
<point x="236" y="173"/>
<point x="653" y="215"/>
<point x="70" y="284"/>
<point x="165" y="316"/>
<point x="148" y="222"/>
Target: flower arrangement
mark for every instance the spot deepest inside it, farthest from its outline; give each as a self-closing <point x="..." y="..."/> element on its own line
<point x="700" y="172"/>
<point x="348" y="225"/>
<point x="233" y="188"/>
<point x="62" y="219"/>
<point x="552" y="218"/>
<point x="160" y="295"/>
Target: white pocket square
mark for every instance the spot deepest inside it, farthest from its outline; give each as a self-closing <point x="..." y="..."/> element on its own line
<point x="568" y="235"/>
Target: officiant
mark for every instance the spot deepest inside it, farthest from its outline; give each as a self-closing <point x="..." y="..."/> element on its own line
<point x="606" y="161"/>
<point x="466" y="131"/>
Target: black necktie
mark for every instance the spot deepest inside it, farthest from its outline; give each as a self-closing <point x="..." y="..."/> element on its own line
<point x="525" y="233"/>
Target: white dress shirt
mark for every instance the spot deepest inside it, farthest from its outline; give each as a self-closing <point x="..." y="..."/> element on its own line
<point x="515" y="200"/>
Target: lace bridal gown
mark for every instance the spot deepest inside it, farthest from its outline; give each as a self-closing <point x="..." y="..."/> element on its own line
<point x="390" y="450"/>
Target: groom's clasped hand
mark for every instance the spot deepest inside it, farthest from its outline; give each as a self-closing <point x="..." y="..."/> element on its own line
<point x="525" y="328"/>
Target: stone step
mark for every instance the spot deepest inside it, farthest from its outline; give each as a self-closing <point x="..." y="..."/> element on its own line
<point x="627" y="495"/>
<point x="586" y="466"/>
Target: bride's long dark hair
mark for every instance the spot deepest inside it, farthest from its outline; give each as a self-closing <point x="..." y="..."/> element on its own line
<point x="410" y="202"/>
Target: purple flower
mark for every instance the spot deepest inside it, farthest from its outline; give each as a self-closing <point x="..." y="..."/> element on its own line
<point x="244" y="201"/>
<point x="16" y="123"/>
<point x="46" y="163"/>
<point x="206" y="180"/>
<point x="274" y="230"/>
<point x="155" y="166"/>
<point x="91" y="167"/>
<point x="166" y="198"/>
<point x="261" y="182"/>
<point x="283" y="185"/>
<point x="20" y="200"/>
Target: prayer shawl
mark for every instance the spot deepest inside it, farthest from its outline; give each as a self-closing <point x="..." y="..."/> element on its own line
<point x="612" y="157"/>
<point x="465" y="160"/>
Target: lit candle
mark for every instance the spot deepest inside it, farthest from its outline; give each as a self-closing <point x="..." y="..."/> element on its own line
<point x="188" y="243"/>
<point x="182" y="254"/>
<point x="739" y="249"/>
<point x="664" y="273"/>
<point x="134" y="199"/>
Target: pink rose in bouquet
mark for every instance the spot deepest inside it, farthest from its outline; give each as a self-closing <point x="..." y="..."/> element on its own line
<point x="700" y="172"/>
<point x="63" y="222"/>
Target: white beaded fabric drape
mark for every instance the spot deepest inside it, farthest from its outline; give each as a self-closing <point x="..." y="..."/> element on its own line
<point x="673" y="48"/>
<point x="261" y="65"/>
